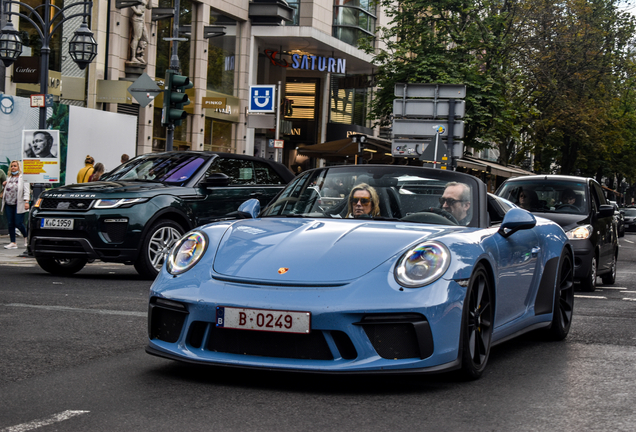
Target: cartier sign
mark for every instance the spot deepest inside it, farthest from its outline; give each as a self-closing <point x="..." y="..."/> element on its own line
<point x="26" y="70"/>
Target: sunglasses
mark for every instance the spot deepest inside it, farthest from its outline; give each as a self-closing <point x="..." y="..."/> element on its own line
<point x="449" y="201"/>
<point x="363" y="201"/>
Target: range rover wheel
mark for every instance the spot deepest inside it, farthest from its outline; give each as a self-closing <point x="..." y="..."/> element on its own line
<point x="61" y="267"/>
<point x="588" y="283"/>
<point x="156" y="246"/>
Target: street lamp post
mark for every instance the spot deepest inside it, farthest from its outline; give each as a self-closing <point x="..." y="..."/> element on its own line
<point x="82" y="46"/>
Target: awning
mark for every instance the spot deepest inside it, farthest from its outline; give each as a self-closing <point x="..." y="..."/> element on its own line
<point x="464" y="163"/>
<point x="372" y="150"/>
<point x="494" y="168"/>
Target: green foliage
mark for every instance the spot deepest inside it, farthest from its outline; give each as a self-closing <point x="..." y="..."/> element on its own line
<point x="549" y="78"/>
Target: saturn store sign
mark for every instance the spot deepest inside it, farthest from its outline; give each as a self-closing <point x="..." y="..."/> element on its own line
<point x="308" y="62"/>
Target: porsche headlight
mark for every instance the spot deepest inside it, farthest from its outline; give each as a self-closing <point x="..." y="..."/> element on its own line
<point x="118" y="202"/>
<point x="580" y="233"/>
<point x="422" y="265"/>
<point x="187" y="252"/>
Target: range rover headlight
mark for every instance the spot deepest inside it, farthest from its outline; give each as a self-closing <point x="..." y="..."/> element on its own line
<point x="422" y="265"/>
<point x="580" y="233"/>
<point x="117" y="202"/>
<point x="187" y="252"/>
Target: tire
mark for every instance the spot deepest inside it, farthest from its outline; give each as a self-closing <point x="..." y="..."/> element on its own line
<point x="477" y="325"/>
<point x="155" y="247"/>
<point x="610" y="278"/>
<point x="61" y="267"/>
<point x="588" y="283"/>
<point x="563" y="300"/>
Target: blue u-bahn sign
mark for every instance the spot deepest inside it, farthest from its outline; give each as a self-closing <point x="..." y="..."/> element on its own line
<point x="262" y="98"/>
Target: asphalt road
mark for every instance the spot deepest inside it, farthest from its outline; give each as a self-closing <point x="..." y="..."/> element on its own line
<point x="72" y="359"/>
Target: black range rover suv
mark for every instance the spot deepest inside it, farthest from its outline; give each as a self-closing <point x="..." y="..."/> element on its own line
<point x="136" y="212"/>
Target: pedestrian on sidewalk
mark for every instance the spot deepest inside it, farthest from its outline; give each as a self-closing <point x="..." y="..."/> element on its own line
<point x="85" y="173"/>
<point x="98" y="171"/>
<point x="15" y="199"/>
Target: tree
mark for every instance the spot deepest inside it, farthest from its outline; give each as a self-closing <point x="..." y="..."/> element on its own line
<point x="548" y="78"/>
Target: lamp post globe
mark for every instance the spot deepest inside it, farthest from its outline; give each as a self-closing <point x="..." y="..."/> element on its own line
<point x="83" y="47"/>
<point x="10" y="44"/>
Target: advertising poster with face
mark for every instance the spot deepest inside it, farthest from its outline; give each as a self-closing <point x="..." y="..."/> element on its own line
<point x="40" y="156"/>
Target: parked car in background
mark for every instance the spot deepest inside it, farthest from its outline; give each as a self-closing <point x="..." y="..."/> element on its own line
<point x="136" y="212"/>
<point x="579" y="206"/>
<point x="629" y="213"/>
<point x="405" y="286"/>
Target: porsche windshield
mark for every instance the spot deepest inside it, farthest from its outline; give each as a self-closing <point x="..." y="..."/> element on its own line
<point x="175" y="169"/>
<point x="379" y="192"/>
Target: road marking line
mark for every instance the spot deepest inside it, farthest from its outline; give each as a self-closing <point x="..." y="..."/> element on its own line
<point x="70" y="309"/>
<point x="36" y="424"/>
<point x="628" y="241"/>
<point x="629" y="299"/>
<point x="628" y="292"/>
<point x="612" y="288"/>
<point x="590" y="297"/>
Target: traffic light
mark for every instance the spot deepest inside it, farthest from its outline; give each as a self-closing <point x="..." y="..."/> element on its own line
<point x="174" y="98"/>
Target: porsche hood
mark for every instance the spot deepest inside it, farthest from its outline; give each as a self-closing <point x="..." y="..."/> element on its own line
<point x="312" y="251"/>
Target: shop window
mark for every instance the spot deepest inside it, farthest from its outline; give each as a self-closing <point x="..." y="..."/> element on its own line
<point x="217" y="136"/>
<point x="349" y="100"/>
<point x="222" y="55"/>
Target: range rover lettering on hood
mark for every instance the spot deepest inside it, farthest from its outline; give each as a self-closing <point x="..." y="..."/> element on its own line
<point x="54" y="195"/>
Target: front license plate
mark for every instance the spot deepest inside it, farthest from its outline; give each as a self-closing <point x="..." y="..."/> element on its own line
<point x="263" y="320"/>
<point x="61" y="224"/>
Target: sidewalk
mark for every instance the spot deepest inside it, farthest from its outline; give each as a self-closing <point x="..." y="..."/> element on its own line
<point x="12" y="256"/>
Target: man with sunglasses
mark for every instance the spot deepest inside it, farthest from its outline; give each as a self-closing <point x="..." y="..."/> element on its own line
<point x="363" y="201"/>
<point x="456" y="201"/>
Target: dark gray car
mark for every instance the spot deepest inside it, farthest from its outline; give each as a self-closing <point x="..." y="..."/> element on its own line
<point x="580" y="207"/>
<point x="137" y="212"/>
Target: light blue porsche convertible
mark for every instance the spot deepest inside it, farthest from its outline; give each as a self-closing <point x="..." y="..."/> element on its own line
<point x="361" y="269"/>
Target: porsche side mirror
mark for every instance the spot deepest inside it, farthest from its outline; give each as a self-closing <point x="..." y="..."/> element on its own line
<point x="249" y="209"/>
<point x="516" y="219"/>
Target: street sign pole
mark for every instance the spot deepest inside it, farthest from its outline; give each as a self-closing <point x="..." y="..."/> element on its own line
<point x="451" y="130"/>
<point x="279" y="152"/>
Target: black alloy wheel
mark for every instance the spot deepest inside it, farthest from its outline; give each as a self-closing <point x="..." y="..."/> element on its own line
<point x="477" y="324"/>
<point x="563" y="299"/>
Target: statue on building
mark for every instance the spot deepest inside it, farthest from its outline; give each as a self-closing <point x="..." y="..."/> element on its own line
<point x="139" y="39"/>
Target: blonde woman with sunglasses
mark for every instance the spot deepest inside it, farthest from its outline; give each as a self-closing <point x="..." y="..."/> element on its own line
<point x="15" y="200"/>
<point x="363" y="201"/>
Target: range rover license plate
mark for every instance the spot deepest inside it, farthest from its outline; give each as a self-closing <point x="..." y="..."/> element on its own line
<point x="263" y="320"/>
<point x="61" y="224"/>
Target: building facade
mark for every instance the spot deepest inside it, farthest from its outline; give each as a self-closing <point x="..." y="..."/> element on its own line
<point x="224" y="47"/>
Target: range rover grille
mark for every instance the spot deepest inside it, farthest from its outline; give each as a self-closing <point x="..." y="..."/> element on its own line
<point x="66" y="204"/>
